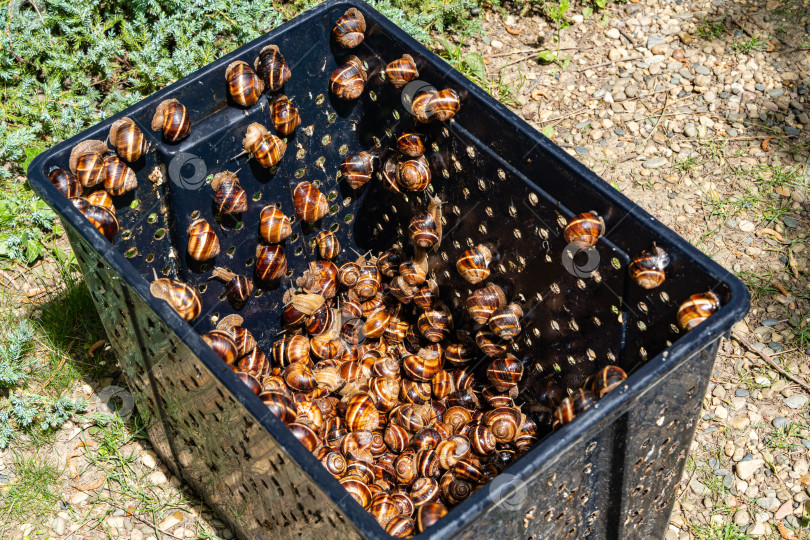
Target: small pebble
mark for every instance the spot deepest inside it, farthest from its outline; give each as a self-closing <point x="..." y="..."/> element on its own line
<point x="780" y="422"/>
<point x="741" y="392"/>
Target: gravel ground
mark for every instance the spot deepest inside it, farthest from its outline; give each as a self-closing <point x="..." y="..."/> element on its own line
<point x="703" y="124"/>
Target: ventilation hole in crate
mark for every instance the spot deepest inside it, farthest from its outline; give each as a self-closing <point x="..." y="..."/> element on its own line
<point x="151" y="219"/>
<point x="349" y="218"/>
<point x="616" y="263"/>
<point x="549" y="515"/>
<point x="642" y="326"/>
<point x="560" y="516"/>
<point x="166" y="270"/>
<point x="300" y="172"/>
<point x="131" y="252"/>
<point x="160" y="233"/>
<point x="517" y="233"/>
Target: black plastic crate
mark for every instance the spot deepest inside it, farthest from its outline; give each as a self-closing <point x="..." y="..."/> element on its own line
<point x="609" y="474"/>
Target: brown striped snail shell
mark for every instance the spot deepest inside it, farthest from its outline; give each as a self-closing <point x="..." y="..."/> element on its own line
<point x="245" y="342"/>
<point x="388" y="176"/>
<point x="426" y="439"/>
<point x="422" y="368"/>
<point x="414" y="174"/>
<point x="334" y="429"/>
<point x="357" y="489"/>
<point x="454" y="490"/>
<point x="505" y="322"/>
<point x="605" y="380"/>
<point x="349" y="28"/>
<point x="361" y="413"/>
<point x="401" y="526"/>
<point x="128" y="139"/>
<point x="265" y="147"/>
<point x="271" y="262"/>
<point x="395" y="331"/>
<point x="376" y="323"/>
<point x="274" y="226"/>
<point x="203" y="243"/>
<point x="309" y="413"/>
<point x="328" y="245"/>
<point x="473" y="264"/>
<point x="171" y="117"/>
<point x="442" y="385"/>
<point x="385" y="393"/>
<point x="383" y="508"/>
<point x="103" y="220"/>
<point x="402" y="290"/>
<point x="388" y="262"/>
<point x="255" y="362"/>
<point x="321" y="320"/>
<point x="222" y="343"/>
<point x="435" y="324"/>
<point x="351" y="309"/>
<point x="349" y="80"/>
<point x="458" y="354"/>
<point x="237" y="286"/>
<point x="284" y="115"/>
<point x="425" y="489"/>
<point x="489" y="343"/>
<point x="496" y="399"/>
<point x="426" y="295"/>
<point x="249" y="380"/>
<point x="411" y="144"/>
<point x="281" y="404"/>
<point x="482" y="440"/>
<point x="184" y="299"/>
<point x="456" y="417"/>
<point x="423" y="230"/>
<point x="420" y="106"/>
<point x="87" y="162"/>
<point x="573" y="406"/>
<point x="412" y="416"/>
<point x="357" y="169"/>
<point x="66" y="182"/>
<point x="697" y="309"/>
<point x="469" y="469"/>
<point x="272" y="68"/>
<point x="504" y="422"/>
<point x="412" y="273"/>
<point x="349" y="274"/>
<point x="647" y="270"/>
<point x="483" y="302"/>
<point x="584" y="230"/>
<point x="401" y="71"/>
<point x="403" y="502"/>
<point x="368" y="282"/>
<point x="505" y="373"/>
<point x="299" y="377"/>
<point x="118" y="177"/>
<point x="101" y="198"/>
<point x="244" y="86"/>
<point x="361" y="469"/>
<point x="335" y="463"/>
<point x="388" y="368"/>
<point x="396" y="438"/>
<point x="443" y="105"/>
<point x="305" y="435"/>
<point x="229" y="197"/>
<point x="428" y="514"/>
<point x="405" y="468"/>
<point x="310" y="204"/>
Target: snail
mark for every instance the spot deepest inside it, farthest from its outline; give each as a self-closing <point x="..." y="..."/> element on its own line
<point x="442" y="385"/>
<point x="435" y="324"/>
<point x="428" y="514"/>
<point x="454" y="490"/>
<point x="473" y="265"/>
<point x="368" y="282"/>
<point x="101" y="198"/>
<point x="271" y="67"/>
<point x="361" y="413"/>
<point x="457" y="354"/>
<point x="249" y="380"/>
<point x="244" y="86"/>
<point x="647" y="270"/>
<point x="357" y="489"/>
<point x="357" y="169"/>
<point x="697" y="309"/>
<point x="413" y="273"/>
<point x="87" y="162"/>
<point x="271" y="262"/>
<point x="221" y="342"/>
<point x="605" y="380"/>
<point x="388" y="262"/>
<point x="284" y="115"/>
<point x="299" y="377"/>
<point x="102" y="219"/>
<point x="426" y="295"/>
<point x="376" y="324"/>
<point x="388" y="176"/>
<point x="328" y="245"/>
<point x="265" y="147"/>
<point x="505" y="373"/>
<point x="118" y="177"/>
<point x="128" y="139"/>
<point x="349" y="274"/>
<point x="182" y="298"/>
<point x="281" y="404"/>
<point x="443" y="105"/>
<point x="310" y="204"/>
<point x="425" y="489"/>
<point x="400" y="526"/>
<point x="396" y="438"/>
<point x="66" y="182"/>
<point x="229" y="197"/>
<point x="423" y="367"/>
<point x="572" y="406"/>
<point x="305" y="435"/>
<point x="504" y="422"/>
<point x="423" y="230"/>
<point x="291" y="350"/>
<point x="584" y="230"/>
<point x="238" y="286"/>
<point x="203" y="243"/>
<point x="349" y="80"/>
<point x="482" y="441"/>
<point x="414" y="174"/>
<point x="274" y="226"/>
<point x="401" y="71"/>
<point x="254" y="363"/>
<point x="489" y="343"/>
<point x="505" y="322"/>
<point x="411" y="144"/>
<point x="483" y="302"/>
<point x="349" y="28"/>
<point x="171" y="118"/>
<point x="383" y="508"/>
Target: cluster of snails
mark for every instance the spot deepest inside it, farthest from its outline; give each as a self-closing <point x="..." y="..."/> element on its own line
<point x="595" y="388"/>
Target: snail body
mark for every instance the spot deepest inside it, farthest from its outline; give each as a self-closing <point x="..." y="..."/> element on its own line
<point x="244" y="86"/>
<point x="171" y="118"/>
<point x="271" y="67"/>
<point x="203" y="243"/>
<point x="128" y="139"/>
<point x="349" y="80"/>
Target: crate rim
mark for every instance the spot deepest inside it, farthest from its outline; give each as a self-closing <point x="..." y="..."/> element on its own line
<point x="544" y="454"/>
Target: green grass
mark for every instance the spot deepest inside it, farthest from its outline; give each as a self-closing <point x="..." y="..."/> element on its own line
<point x="787" y="438"/>
<point x="745" y="46"/>
<point x="33" y="492"/>
<point x="707" y="29"/>
<point x="725" y="531"/>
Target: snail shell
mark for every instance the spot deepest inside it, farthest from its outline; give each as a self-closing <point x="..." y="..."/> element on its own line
<point x="357" y="169"/>
<point x="349" y="28"/>
<point x="473" y="265"/>
<point x="101" y="198"/>
<point x="389" y="261"/>
<point x="585" y="229"/>
<point x="272" y="68"/>
<point x="505" y="373"/>
<point x="349" y="80"/>
<point x="454" y="490"/>
<point x="128" y="139"/>
<point x="401" y="526"/>
<point x="401" y="71"/>
<point x="184" y="299"/>
<point x="457" y="354"/>
<point x="102" y="219"/>
<point x="605" y="380"/>
<point x="66" y="182"/>
<point x="376" y="324"/>
<point x="244" y="86"/>
<point x="368" y="282"/>
<point x="647" y="270"/>
<point x="349" y="274"/>
<point x="396" y="438"/>
<point x="442" y="385"/>
<point x="229" y="197"/>
<point x="281" y="404"/>
<point x="573" y="406"/>
<point x="171" y="117"/>
<point x="328" y="245"/>
<point x="428" y="514"/>
<point x="422" y="368"/>
<point x="697" y="309"/>
<point x="222" y="343"/>
<point x="504" y="422"/>
<point x="271" y="262"/>
<point x="483" y="302"/>
<point x="357" y="489"/>
<point x="414" y="174"/>
<point x="423" y="231"/>
<point x="238" y="287"/>
<point x="426" y="295"/>
<point x="505" y="322"/>
<point x="265" y="147"/>
<point x="245" y="342"/>
<point x="299" y="377"/>
<point x="274" y="226"/>
<point x="416" y="393"/>
<point x="284" y="115"/>
<point x="305" y="435"/>
<point x="489" y="343"/>
<point x="443" y="105"/>
<point x="414" y="274"/>
<point x="435" y="324"/>
<point x="482" y="440"/>
<point x="420" y="106"/>
<point x="334" y="462"/>
<point x="388" y="176"/>
<point x="87" y="162"/>
<point x="425" y="489"/>
<point x="383" y="508"/>
<point x="203" y="243"/>
<point x="411" y="144"/>
<point x="361" y="413"/>
<point x="118" y="177"/>
<point x="310" y="204"/>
